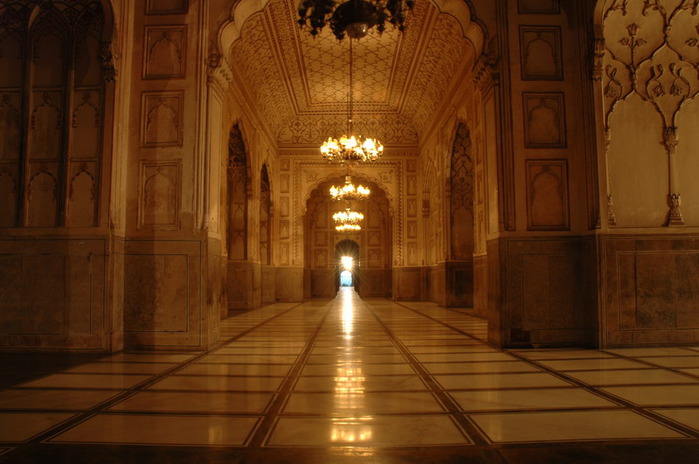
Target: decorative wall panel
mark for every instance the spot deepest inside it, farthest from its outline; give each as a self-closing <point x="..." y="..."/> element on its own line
<point x="42" y="196"/>
<point x="82" y="191"/>
<point x="8" y="197"/>
<point x="162" y="294"/>
<point x="9" y="125"/>
<point x="164" y="52"/>
<point x="86" y="126"/>
<point x="165" y="7"/>
<point x="161" y="119"/>
<point x="45" y="126"/>
<point x="544" y="120"/>
<point x="539" y="6"/>
<point x="547" y="195"/>
<point x="160" y="194"/>
<point x="647" y="63"/>
<point x="650" y="290"/>
<point x="52" y="298"/>
<point x="550" y="291"/>
<point x="540" y="53"/>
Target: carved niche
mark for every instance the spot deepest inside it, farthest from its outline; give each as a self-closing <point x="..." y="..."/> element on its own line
<point x="164" y="52"/>
<point x="544" y="120"/>
<point x="42" y="196"/>
<point x="540" y="53"/>
<point x="82" y="192"/>
<point x="9" y="126"/>
<point x="161" y="119"/>
<point x="547" y="195"/>
<point x="45" y="126"/>
<point x="85" y="142"/>
<point x="159" y="202"/>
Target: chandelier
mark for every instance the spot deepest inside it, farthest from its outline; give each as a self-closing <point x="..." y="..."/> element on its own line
<point x="349" y="191"/>
<point x="353" y="17"/>
<point x="348" y="220"/>
<point x="350" y="148"/>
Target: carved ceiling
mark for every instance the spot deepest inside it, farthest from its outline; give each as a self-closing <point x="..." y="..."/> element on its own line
<point x="300" y="84"/>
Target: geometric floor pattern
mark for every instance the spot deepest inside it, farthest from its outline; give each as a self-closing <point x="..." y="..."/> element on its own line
<point x="352" y="380"/>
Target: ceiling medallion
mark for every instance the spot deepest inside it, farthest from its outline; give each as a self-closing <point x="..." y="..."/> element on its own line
<point x="349" y="191"/>
<point x="348" y="220"/>
<point x="351" y="148"/>
<point x="353" y="17"/>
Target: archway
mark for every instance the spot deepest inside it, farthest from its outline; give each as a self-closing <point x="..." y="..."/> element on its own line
<point x="372" y="248"/>
<point x="459" y="267"/>
<point x="348" y="264"/>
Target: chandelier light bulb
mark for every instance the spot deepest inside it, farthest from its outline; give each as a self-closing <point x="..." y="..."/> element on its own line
<point x="348" y="220"/>
<point x="349" y="149"/>
<point x="349" y="191"/>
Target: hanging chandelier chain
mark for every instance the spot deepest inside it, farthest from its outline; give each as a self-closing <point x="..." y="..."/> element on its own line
<point x="351" y="88"/>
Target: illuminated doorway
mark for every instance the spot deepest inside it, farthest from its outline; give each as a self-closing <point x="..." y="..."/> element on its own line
<point x="346" y="279"/>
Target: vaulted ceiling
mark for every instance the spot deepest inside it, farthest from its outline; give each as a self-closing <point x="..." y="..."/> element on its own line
<point x="300" y="83"/>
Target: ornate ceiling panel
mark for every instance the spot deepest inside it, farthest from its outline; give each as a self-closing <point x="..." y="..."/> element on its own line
<point x="300" y="83"/>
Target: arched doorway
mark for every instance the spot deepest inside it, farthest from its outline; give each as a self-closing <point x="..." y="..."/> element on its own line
<point x="372" y="244"/>
<point x="348" y="264"/>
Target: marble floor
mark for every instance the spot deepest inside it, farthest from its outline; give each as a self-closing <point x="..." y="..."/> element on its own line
<point x="350" y="380"/>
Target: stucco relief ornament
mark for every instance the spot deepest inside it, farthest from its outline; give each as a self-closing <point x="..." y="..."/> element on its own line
<point x="611" y="215"/>
<point x="633" y="43"/>
<point x="109" y="55"/>
<point x="597" y="67"/>
<point x="675" y="216"/>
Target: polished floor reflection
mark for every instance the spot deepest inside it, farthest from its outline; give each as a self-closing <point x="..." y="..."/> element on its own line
<point x="351" y="380"/>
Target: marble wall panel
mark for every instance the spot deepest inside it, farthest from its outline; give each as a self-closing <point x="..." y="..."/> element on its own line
<point x="549" y="293"/>
<point x="407" y="283"/>
<point x="323" y="283"/>
<point x="52" y="294"/>
<point x="289" y="284"/>
<point x="162" y="294"/>
<point x="156" y="293"/>
<point x="651" y="294"/>
<point x="269" y="284"/>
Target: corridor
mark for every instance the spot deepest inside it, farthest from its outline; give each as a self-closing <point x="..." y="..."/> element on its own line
<point x="351" y="380"/>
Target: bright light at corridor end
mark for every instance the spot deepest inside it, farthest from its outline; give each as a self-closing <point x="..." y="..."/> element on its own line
<point x="347" y="262"/>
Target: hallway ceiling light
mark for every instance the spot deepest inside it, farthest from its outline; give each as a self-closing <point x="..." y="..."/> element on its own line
<point x="351" y="148"/>
<point x="348" y="220"/>
<point x="349" y="191"/>
<point x="354" y="17"/>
